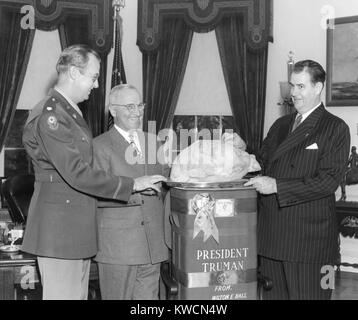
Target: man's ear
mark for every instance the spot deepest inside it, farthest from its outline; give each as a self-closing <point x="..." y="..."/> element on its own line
<point x="73" y="72"/>
<point x="112" y="111"/>
<point x="319" y="87"/>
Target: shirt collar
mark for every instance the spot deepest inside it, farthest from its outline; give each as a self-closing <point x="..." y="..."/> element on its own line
<point x="306" y="114"/>
<point x="74" y="106"/>
<point x="125" y="135"/>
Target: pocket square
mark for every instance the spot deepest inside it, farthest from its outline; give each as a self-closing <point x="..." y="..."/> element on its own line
<point x="312" y="147"/>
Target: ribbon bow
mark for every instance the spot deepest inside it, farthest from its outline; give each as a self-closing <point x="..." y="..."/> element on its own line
<point x="203" y="205"/>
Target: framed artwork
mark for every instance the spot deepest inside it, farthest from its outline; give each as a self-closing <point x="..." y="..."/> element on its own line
<point x="342" y="62"/>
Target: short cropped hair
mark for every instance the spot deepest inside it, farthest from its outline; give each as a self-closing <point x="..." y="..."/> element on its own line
<point x="76" y="55"/>
<point x="313" y="68"/>
<point x="115" y="90"/>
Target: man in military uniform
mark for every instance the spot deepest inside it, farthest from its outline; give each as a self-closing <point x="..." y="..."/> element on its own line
<point x="61" y="228"/>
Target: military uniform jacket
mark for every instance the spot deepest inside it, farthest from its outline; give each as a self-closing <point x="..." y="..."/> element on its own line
<point x="133" y="232"/>
<point x="299" y="222"/>
<point x="61" y="220"/>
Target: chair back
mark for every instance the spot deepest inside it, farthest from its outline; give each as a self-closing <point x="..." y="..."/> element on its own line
<point x="17" y="191"/>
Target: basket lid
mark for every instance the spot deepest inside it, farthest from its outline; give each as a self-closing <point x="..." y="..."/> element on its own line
<point x="237" y="184"/>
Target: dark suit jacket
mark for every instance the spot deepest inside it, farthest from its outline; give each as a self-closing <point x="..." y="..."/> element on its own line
<point x="299" y="222"/>
<point x="61" y="220"/>
<point x="131" y="232"/>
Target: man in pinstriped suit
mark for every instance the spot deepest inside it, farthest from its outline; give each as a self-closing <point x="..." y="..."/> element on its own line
<point x="303" y="157"/>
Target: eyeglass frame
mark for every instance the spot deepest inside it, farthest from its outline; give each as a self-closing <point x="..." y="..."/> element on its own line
<point x="82" y="71"/>
<point x="130" y="106"/>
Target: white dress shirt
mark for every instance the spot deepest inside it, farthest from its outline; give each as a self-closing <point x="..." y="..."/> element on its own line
<point x="306" y="114"/>
<point x="125" y="135"/>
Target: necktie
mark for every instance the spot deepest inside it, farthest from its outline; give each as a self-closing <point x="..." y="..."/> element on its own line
<point x="297" y="122"/>
<point x="134" y="145"/>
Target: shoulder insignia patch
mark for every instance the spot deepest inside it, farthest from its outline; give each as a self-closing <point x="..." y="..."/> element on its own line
<point x="49" y="111"/>
<point x="52" y="122"/>
<point x="50" y="105"/>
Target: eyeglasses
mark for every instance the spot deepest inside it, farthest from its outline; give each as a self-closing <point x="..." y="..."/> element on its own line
<point x="132" y="106"/>
<point x="94" y="77"/>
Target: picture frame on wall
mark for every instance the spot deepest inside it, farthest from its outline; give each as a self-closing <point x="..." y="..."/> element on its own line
<point x="342" y="62"/>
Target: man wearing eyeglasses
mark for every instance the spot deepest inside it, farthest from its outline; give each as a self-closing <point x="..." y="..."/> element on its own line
<point x="61" y="224"/>
<point x="131" y="235"/>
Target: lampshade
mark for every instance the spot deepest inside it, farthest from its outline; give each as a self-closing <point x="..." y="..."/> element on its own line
<point x="285" y="90"/>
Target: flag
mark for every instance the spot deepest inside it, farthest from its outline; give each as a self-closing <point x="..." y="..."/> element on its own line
<point x="118" y="73"/>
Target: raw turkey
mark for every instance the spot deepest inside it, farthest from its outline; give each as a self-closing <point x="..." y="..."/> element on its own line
<point x="214" y="161"/>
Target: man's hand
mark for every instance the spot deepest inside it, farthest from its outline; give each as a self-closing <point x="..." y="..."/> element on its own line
<point x="263" y="185"/>
<point x="148" y="182"/>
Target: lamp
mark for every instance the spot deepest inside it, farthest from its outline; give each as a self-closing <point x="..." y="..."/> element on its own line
<point x="285" y="87"/>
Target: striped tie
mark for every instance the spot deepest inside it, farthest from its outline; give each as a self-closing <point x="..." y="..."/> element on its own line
<point x="134" y="145"/>
<point x="297" y="122"/>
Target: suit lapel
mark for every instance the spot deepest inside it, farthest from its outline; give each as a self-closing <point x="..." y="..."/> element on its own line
<point x="285" y="129"/>
<point x="118" y="140"/>
<point x="304" y="131"/>
<point x="120" y="143"/>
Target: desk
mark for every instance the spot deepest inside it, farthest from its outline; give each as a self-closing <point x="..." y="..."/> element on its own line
<point x="347" y="220"/>
<point x="19" y="277"/>
<point x="16" y="270"/>
<point x="4" y="215"/>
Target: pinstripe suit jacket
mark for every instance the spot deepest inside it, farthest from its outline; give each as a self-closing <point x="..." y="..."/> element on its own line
<point x="299" y="222"/>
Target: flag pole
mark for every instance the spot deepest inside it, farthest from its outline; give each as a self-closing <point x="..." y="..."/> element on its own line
<point x="118" y="76"/>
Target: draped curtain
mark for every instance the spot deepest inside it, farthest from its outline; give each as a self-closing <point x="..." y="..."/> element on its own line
<point x="75" y="30"/>
<point x="245" y="72"/>
<point x="15" y="51"/>
<point x="163" y="72"/>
